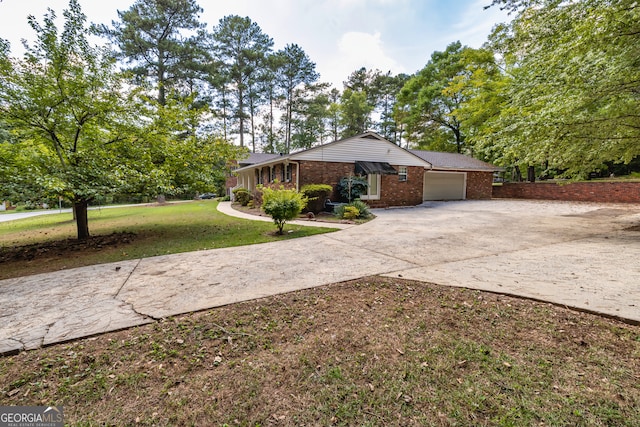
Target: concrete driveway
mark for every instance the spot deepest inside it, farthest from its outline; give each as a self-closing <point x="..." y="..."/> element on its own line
<point x="579" y="255"/>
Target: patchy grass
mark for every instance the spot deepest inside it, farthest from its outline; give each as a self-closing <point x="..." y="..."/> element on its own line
<point x="374" y="351"/>
<point x="128" y="233"/>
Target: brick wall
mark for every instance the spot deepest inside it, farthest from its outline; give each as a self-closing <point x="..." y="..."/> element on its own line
<point x="324" y="173"/>
<point x="479" y="185"/>
<point x="598" y="191"/>
<point x="393" y="192"/>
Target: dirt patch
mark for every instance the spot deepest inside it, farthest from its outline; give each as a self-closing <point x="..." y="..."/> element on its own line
<point x="64" y="248"/>
<point x="375" y="351"/>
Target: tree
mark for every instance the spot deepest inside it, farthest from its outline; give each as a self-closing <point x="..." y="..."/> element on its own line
<point x="273" y="96"/>
<point x="333" y="114"/>
<point x="309" y="113"/>
<point x="427" y="106"/>
<point x="482" y="84"/>
<point x="295" y="73"/>
<point x="241" y="47"/>
<point x="572" y="98"/>
<point x="78" y="132"/>
<point x="381" y="91"/>
<point x="363" y="80"/>
<point x="153" y="36"/>
<point x="282" y="205"/>
<point x="182" y="158"/>
<point x="355" y="113"/>
<point x="64" y="106"/>
<point x="386" y="87"/>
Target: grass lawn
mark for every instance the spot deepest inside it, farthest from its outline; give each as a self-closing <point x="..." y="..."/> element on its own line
<point x="370" y="352"/>
<point x="141" y="231"/>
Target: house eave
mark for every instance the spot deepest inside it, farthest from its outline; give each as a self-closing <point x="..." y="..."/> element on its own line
<point x="458" y="169"/>
<point x="275" y="161"/>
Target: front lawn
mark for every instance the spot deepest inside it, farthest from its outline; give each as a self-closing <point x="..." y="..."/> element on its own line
<point x="46" y="243"/>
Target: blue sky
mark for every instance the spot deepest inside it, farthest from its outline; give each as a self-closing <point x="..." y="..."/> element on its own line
<point x="340" y="36"/>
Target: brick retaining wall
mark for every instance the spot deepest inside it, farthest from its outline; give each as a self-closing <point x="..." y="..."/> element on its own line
<point x="597" y="191"/>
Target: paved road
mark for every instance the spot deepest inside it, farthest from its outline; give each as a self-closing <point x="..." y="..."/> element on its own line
<point x="20" y="215"/>
<point x="579" y="255"/>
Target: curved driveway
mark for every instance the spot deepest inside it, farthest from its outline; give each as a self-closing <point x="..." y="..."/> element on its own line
<point x="580" y="255"/>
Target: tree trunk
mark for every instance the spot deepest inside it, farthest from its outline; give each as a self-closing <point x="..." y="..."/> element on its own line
<point x="531" y="174"/>
<point x="241" y="114"/>
<point x="458" y="135"/>
<point x="162" y="98"/>
<point x="272" y="144"/>
<point x="82" y="222"/>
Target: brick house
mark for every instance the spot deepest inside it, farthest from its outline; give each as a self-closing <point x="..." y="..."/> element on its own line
<point x="396" y="176"/>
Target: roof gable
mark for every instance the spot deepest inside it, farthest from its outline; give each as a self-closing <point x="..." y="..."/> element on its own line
<point x="369" y="147"/>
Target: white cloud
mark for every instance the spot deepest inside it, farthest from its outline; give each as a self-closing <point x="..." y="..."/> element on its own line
<point x="355" y="50"/>
<point x="476" y="23"/>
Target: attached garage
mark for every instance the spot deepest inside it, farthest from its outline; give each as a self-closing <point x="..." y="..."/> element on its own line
<point x="444" y="185"/>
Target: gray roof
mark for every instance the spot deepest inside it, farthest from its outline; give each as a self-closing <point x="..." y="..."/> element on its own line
<point x="438" y="160"/>
<point x="441" y="160"/>
<point x="257" y="158"/>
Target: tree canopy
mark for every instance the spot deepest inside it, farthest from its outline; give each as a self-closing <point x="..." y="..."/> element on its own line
<point x="76" y="130"/>
<point x="163" y="40"/>
<point x="571" y="98"/>
<point x="428" y="105"/>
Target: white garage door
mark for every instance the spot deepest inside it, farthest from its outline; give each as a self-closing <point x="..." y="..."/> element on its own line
<point x="444" y="186"/>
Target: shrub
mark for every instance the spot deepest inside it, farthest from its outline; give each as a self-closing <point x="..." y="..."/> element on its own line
<point x="363" y="208"/>
<point x="316" y="195"/>
<point x="242" y="196"/>
<point x="352" y="187"/>
<point x="282" y="205"/>
<point x="350" y="212"/>
<point x="354" y="210"/>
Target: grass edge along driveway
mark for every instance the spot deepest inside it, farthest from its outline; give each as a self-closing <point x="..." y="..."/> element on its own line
<point x="46" y="243"/>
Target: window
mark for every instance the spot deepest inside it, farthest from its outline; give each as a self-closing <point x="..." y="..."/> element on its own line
<point x="402" y="173"/>
<point x="259" y="176"/>
<point x="272" y="173"/>
<point x="287" y="173"/>
<point x="373" y="187"/>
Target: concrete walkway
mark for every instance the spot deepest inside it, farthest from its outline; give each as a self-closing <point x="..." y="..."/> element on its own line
<point x="225" y="208"/>
<point x="579" y="255"/>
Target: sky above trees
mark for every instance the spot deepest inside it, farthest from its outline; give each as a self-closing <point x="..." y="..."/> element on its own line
<point x="338" y="35"/>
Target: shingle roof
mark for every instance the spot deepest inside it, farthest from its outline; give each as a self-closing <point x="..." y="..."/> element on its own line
<point x="441" y="160"/>
<point x="257" y="158"/>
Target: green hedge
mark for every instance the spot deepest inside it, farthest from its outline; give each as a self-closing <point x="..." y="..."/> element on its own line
<point x="316" y="195"/>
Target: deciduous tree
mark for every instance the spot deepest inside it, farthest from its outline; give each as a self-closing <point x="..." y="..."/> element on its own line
<point x="427" y="105"/>
<point x="64" y="105"/>
<point x="572" y="101"/>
